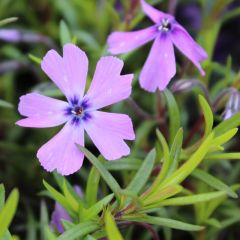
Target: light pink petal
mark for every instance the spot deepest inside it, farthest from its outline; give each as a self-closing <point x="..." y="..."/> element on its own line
<point x="41" y="111"/>
<point x="76" y="67"/>
<point x="108" y="131"/>
<point x="160" y="66"/>
<point x="108" y="86"/>
<point x="68" y="73"/>
<point x="152" y="12"/>
<point x="185" y="43"/>
<point x="61" y="153"/>
<point x="122" y="42"/>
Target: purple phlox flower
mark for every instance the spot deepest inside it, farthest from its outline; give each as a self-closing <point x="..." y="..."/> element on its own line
<point x="21" y="36"/>
<point x="107" y="130"/>
<point x="59" y="213"/>
<point x="10" y="35"/>
<point x="160" y="65"/>
<point x="233" y="105"/>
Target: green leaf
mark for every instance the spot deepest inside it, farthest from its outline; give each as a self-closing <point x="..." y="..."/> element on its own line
<point x="174" y="115"/>
<point x="208" y="116"/>
<point x="8" y="211"/>
<point x="2" y="196"/>
<point x="157" y="197"/>
<point x="123" y="164"/>
<point x="35" y="59"/>
<point x="228" y="222"/>
<point x="196" y="198"/>
<point x="92" y="186"/>
<point x="70" y="198"/>
<point x="227" y="125"/>
<point x="214" y="222"/>
<point x="175" y="151"/>
<point x="67" y="224"/>
<point x="43" y="220"/>
<point x="187" y="168"/>
<point x="213" y="182"/>
<point x="88" y="39"/>
<point x="225" y="137"/>
<point x="65" y="35"/>
<point x="8" y="20"/>
<point x="69" y="192"/>
<point x="97" y="207"/>
<point x="164" y="222"/>
<point x="78" y="231"/>
<point x="166" y="158"/>
<point x="111" y="227"/>
<point x="108" y="178"/>
<point x="8" y="236"/>
<point x="57" y="196"/>
<point x="49" y="234"/>
<point x="223" y="156"/>
<point x="142" y="132"/>
<point x="5" y="104"/>
<point x="88" y="237"/>
<point x="231" y="14"/>
<point x="143" y="173"/>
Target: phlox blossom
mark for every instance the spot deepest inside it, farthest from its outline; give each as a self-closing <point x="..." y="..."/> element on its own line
<point x="160" y="66"/>
<point x="80" y="112"/>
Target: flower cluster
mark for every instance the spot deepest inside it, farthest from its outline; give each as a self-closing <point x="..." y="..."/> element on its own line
<point x="81" y="111"/>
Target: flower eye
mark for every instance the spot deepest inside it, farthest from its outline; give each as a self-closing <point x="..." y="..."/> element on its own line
<point x="165" y="25"/>
<point x="78" y="111"/>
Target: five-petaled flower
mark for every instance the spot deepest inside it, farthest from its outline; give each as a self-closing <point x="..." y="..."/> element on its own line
<point x="107" y="130"/>
<point x="160" y="65"/>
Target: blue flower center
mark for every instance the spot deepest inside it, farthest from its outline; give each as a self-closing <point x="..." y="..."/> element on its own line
<point x="165" y="25"/>
<point x="78" y="110"/>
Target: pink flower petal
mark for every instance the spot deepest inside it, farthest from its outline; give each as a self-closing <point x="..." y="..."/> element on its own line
<point x="152" y="12"/>
<point x="108" y="131"/>
<point x="108" y="86"/>
<point x="68" y="73"/>
<point x="41" y="111"/>
<point x="185" y="43"/>
<point x="61" y="153"/>
<point x="122" y="42"/>
<point x="160" y="66"/>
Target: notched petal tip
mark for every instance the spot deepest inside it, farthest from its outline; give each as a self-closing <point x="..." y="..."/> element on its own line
<point x="47" y="57"/>
<point x="152" y="12"/>
<point x="70" y="47"/>
<point x="112" y="60"/>
<point x="62" y="171"/>
<point x="119" y="156"/>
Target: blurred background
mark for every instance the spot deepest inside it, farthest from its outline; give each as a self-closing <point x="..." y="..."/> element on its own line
<point x="43" y="25"/>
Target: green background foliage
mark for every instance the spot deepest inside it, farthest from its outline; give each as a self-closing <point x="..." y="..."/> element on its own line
<point x="182" y="177"/>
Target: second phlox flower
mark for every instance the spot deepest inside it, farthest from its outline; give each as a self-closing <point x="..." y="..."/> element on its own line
<point x="160" y="66"/>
